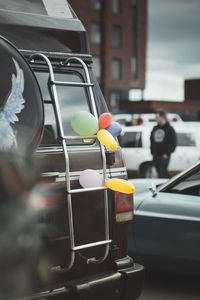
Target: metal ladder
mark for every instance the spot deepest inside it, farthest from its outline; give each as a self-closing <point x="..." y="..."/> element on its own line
<point x="70" y="192"/>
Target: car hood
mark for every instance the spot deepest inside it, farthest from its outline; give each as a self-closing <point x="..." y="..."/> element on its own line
<point x="142" y="188"/>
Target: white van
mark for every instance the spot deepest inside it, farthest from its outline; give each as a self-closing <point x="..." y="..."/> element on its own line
<point x="135" y="143"/>
<point x="123" y="119"/>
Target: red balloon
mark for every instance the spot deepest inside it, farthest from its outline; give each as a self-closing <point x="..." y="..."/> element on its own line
<point x="104" y="120"/>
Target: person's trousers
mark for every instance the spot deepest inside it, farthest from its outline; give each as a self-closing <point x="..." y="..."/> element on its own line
<point x="161" y="165"/>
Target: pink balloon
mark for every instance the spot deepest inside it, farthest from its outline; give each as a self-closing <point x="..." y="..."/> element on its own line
<point x="90" y="178"/>
<point x="104" y="120"/>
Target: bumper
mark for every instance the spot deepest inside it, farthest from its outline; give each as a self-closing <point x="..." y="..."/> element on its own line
<point x="125" y="284"/>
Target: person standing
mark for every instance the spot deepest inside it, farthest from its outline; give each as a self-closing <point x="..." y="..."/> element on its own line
<point x="163" y="143"/>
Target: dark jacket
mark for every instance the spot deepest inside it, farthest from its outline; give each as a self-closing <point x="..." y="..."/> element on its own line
<point x="163" y="140"/>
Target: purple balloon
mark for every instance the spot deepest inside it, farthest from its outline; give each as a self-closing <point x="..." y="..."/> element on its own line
<point x="114" y="128"/>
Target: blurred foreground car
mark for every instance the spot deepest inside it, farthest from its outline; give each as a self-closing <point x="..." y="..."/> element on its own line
<point x="165" y="234"/>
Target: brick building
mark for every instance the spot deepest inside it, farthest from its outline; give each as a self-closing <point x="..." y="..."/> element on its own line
<point x="117" y="34"/>
<point x="192" y="90"/>
<point x="189" y="109"/>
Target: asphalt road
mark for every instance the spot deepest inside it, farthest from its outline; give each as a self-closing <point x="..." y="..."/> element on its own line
<point x="161" y="286"/>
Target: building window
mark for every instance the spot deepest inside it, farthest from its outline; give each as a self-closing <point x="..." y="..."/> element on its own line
<point x="116" y="6"/>
<point x="114" y="101"/>
<point x="134" y="66"/>
<point x="96" y="4"/>
<point x="116" y="36"/>
<point x="95" y="33"/>
<point x="97" y="67"/>
<point x="116" y="69"/>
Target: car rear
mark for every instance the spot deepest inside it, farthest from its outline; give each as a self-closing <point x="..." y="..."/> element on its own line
<point x="86" y="234"/>
<point x="83" y="231"/>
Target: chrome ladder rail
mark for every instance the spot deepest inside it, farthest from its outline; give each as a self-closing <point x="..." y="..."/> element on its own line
<point x="70" y="191"/>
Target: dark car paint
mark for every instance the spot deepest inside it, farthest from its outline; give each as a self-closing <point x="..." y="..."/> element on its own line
<point x="118" y="276"/>
<point x="165" y="234"/>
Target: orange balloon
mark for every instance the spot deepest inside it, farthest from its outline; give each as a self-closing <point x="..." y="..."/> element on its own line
<point x="105" y="120"/>
<point x="106" y="139"/>
<point x="120" y="185"/>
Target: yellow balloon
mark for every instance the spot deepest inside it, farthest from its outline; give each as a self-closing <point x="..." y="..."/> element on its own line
<point x="106" y="139"/>
<point x="120" y="185"/>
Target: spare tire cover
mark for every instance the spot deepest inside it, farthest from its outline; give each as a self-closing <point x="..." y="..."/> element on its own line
<point x="21" y="105"/>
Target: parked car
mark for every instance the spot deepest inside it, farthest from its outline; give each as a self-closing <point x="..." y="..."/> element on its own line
<point x="126" y="119"/>
<point x="46" y="78"/>
<point x="135" y="143"/>
<point x="165" y="233"/>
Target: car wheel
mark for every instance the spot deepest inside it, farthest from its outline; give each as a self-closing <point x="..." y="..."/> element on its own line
<point x="148" y="171"/>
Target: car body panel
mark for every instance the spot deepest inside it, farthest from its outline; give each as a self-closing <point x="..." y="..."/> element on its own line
<point x="144" y="185"/>
<point x="166" y="231"/>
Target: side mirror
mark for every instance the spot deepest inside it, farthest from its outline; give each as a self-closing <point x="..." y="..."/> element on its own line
<point x="153" y="189"/>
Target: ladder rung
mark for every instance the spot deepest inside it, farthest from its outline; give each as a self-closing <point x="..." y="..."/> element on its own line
<point x="91" y="245"/>
<point x="66" y="83"/>
<point x="50" y="174"/>
<point x="76" y="137"/>
<point x="84" y="190"/>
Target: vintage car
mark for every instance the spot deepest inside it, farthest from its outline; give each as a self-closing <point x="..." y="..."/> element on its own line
<point x="165" y="232"/>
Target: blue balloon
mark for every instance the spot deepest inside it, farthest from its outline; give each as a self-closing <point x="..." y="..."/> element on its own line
<point x="114" y="128"/>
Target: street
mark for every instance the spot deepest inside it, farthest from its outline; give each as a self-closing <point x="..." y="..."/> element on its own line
<point x="161" y="286"/>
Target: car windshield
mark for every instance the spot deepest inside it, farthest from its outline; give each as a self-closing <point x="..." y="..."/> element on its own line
<point x="185" y="178"/>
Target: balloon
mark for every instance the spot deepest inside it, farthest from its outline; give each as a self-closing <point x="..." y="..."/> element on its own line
<point x="105" y="120"/>
<point x="90" y="178"/>
<point x="84" y="123"/>
<point x="114" y="128"/>
<point x="120" y="185"/>
<point x="106" y="139"/>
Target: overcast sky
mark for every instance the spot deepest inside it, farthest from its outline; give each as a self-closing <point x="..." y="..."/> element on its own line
<point x="173" y="47"/>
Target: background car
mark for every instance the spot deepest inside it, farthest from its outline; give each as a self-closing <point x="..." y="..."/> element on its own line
<point x="165" y="234"/>
<point x="126" y="119"/>
<point x="135" y="143"/>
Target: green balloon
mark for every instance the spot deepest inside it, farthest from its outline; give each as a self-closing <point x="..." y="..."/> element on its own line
<point x="84" y="123"/>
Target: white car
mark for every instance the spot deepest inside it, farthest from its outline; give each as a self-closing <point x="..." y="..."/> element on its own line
<point x="123" y="119"/>
<point x="135" y="143"/>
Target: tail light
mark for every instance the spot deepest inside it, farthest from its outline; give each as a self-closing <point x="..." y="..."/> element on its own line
<point x="123" y="207"/>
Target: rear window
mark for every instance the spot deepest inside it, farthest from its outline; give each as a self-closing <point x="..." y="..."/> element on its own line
<point x="186" y="139"/>
<point x="71" y="100"/>
<point x="131" y="140"/>
<point x="122" y="121"/>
